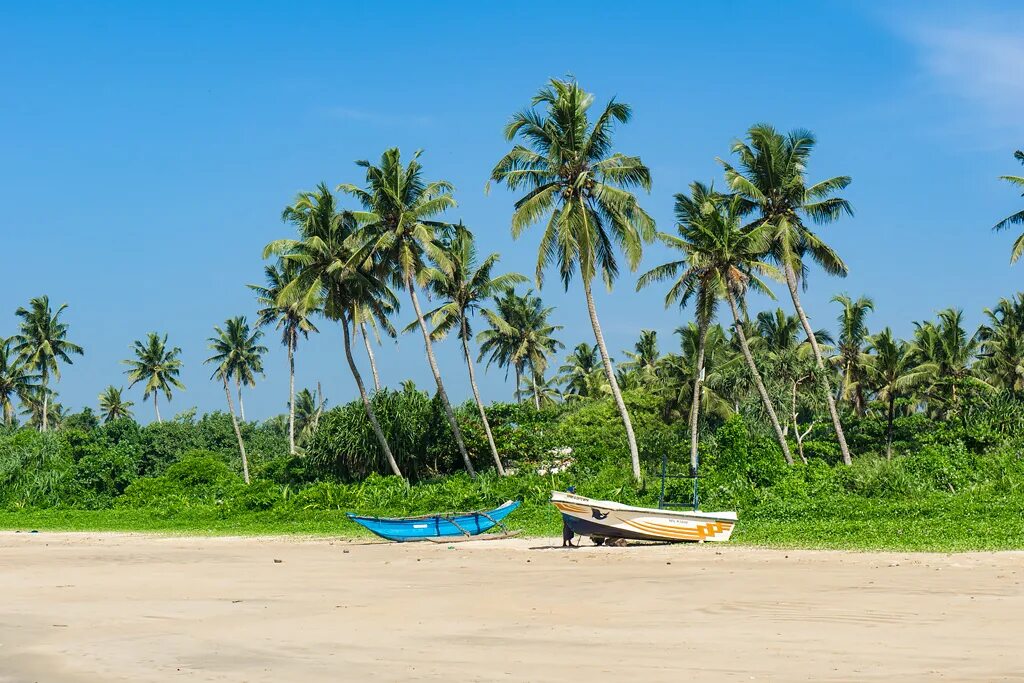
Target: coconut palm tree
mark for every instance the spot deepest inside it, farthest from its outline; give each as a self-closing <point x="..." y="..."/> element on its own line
<point x="677" y="373"/>
<point x="339" y="268"/>
<point x="293" y="319"/>
<point x="113" y="406"/>
<point x="309" y="406"/>
<point x="157" y="366"/>
<point x="461" y="283"/>
<point x="40" y="406"/>
<point x="582" y="373"/>
<point x="224" y="345"/>
<point x="1002" y="351"/>
<point x="244" y="355"/>
<point x="399" y="221"/>
<point x="543" y="392"/>
<point x="892" y="372"/>
<point x="643" y="359"/>
<point x="520" y="336"/>
<point x="16" y="380"/>
<point x="949" y="353"/>
<point x="1016" y="218"/>
<point x="722" y="259"/>
<point x="572" y="178"/>
<point x="770" y="177"/>
<point x="693" y="276"/>
<point x="42" y="345"/>
<point x="853" y="334"/>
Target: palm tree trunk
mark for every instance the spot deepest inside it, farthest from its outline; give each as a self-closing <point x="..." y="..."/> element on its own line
<point x="536" y="393"/>
<point x="519" y="381"/>
<point x="609" y="371"/>
<point x="479" y="403"/>
<point x="370" y="414"/>
<point x="695" y="403"/>
<point x="46" y="403"/>
<point x="156" y="407"/>
<point x="796" y="425"/>
<point x="437" y="378"/>
<point x="373" y="359"/>
<point x="291" y="393"/>
<point x="757" y="379"/>
<point x="241" y="406"/>
<point x="836" y="424"/>
<point x="238" y="432"/>
<point x="888" y="426"/>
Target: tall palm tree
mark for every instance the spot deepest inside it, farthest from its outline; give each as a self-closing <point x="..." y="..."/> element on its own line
<point x="721" y="259"/>
<point x="692" y="277"/>
<point x="339" y="269"/>
<point x="950" y="353"/>
<point x="113" y="406"/>
<point x="580" y="372"/>
<point x="571" y="176"/>
<point x="1016" y="218"/>
<point x="853" y="334"/>
<point x="520" y="336"/>
<point x="461" y="283"/>
<point x="292" y="318"/>
<point x="16" y="379"/>
<point x="770" y="176"/>
<point x="1002" y="338"/>
<point x="224" y="345"/>
<point x="398" y="218"/>
<point x="40" y="406"/>
<point x="892" y="372"/>
<point x="42" y="343"/>
<point x="644" y="357"/>
<point x="309" y="406"/>
<point x="245" y="355"/>
<point x="157" y="366"/>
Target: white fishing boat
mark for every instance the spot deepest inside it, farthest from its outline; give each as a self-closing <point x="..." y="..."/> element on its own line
<point x="602" y="519"/>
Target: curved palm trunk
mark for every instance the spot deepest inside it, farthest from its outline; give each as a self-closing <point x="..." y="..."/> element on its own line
<point x="238" y="432"/>
<point x="695" y="403"/>
<point x="479" y="403"/>
<point x="241" y="406"/>
<point x="519" y="383"/>
<point x="609" y="371"/>
<point x="437" y="378"/>
<point x="156" y="407"/>
<point x="829" y="398"/>
<point x="373" y="359"/>
<point x="291" y="393"/>
<point x="536" y="393"/>
<point x="370" y="414"/>
<point x="758" y="381"/>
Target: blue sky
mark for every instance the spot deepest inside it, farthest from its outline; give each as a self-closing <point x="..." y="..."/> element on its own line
<point x="148" y="149"/>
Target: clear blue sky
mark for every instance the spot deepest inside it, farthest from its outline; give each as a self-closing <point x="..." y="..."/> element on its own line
<point x="147" y="149"/>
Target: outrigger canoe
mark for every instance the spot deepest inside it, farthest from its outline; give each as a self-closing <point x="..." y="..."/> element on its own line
<point x="428" y="527"/>
<point x="601" y="519"/>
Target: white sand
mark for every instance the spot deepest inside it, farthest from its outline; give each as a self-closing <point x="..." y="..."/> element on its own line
<point x="119" y="607"/>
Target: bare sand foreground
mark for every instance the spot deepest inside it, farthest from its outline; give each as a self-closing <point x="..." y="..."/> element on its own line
<point x="118" y="607"/>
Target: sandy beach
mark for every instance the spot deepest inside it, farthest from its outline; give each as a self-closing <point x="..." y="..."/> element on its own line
<point x="122" y="607"/>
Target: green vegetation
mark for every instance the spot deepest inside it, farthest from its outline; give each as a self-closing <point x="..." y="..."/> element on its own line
<point x="852" y="439"/>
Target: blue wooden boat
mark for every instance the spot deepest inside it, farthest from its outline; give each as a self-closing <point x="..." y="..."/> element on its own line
<point x="456" y="524"/>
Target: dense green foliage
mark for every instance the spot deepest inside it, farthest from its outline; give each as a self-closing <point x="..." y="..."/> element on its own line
<point x="953" y="485"/>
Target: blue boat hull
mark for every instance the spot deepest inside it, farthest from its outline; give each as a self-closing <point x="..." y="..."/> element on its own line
<point x="432" y="526"/>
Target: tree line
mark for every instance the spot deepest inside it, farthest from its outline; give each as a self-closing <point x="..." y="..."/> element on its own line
<point x="353" y="265"/>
